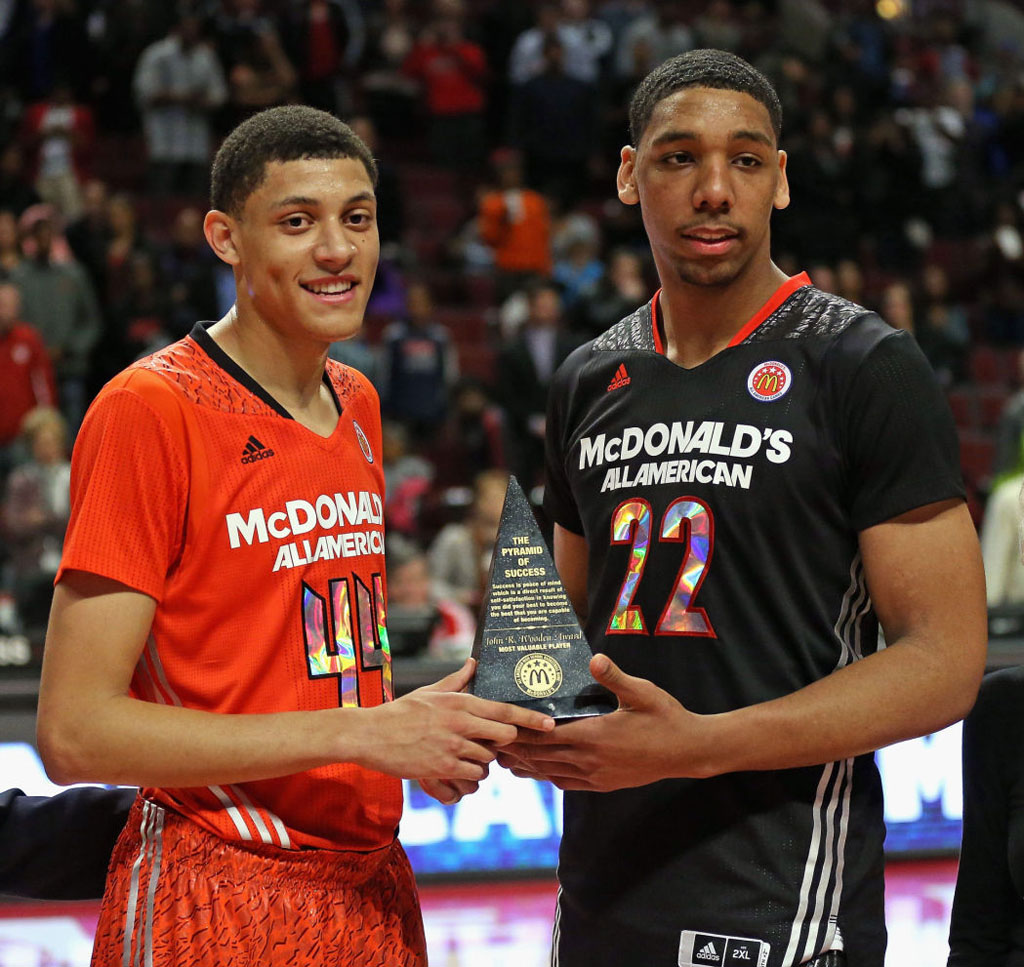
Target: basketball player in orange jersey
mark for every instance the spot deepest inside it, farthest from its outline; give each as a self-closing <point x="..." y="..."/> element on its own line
<point x="218" y="633"/>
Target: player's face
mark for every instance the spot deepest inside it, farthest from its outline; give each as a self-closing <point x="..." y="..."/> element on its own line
<point x="706" y="174"/>
<point x="307" y="248"/>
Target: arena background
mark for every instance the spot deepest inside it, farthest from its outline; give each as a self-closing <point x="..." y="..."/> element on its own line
<point x="904" y="121"/>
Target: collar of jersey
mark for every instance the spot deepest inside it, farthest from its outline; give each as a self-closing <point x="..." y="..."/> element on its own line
<point x="206" y="343"/>
<point x="780" y="295"/>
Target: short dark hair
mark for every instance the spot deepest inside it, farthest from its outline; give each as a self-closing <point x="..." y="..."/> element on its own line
<point x="706" y="67"/>
<point x="290" y="133"/>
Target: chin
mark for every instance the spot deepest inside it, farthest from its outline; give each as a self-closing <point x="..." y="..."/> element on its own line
<point x="709" y="276"/>
<point x="336" y="330"/>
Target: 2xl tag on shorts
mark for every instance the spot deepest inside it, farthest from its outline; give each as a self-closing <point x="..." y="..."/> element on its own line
<point x="715" y="950"/>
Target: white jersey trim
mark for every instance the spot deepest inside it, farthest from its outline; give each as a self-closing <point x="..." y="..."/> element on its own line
<point x="138" y="927"/>
<point x="153" y="670"/>
<point x="817" y="921"/>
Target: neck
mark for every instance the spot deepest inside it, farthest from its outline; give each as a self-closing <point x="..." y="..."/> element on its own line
<point x="289" y="371"/>
<point x="701" y="320"/>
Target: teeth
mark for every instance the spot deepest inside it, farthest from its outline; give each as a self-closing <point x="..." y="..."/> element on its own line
<point x="333" y="288"/>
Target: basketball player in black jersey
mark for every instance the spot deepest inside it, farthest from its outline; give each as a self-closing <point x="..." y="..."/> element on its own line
<point x="747" y="477"/>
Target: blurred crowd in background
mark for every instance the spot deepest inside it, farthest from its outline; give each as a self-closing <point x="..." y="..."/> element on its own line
<point x="498" y="127"/>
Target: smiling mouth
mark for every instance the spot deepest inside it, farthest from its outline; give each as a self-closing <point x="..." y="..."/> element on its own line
<point x="328" y="288"/>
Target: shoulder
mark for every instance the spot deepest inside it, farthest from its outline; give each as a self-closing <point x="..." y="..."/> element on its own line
<point x="159" y="48"/>
<point x="635" y="331"/>
<point x="350" y="384"/>
<point x="855" y="344"/>
<point x="163" y="372"/>
<point x="26" y="333"/>
<point x="71" y="270"/>
<point x="161" y="384"/>
<point x="809" y="312"/>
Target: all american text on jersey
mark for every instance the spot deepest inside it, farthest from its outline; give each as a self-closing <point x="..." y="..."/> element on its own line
<point x="664" y="439"/>
<point x="326" y="512"/>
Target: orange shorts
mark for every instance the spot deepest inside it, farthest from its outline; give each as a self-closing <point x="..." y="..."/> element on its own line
<point x="179" y="896"/>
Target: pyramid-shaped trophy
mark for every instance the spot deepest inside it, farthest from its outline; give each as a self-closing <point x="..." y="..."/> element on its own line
<point x="529" y="646"/>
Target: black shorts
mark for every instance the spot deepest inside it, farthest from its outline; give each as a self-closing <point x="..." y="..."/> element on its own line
<point x="581" y="939"/>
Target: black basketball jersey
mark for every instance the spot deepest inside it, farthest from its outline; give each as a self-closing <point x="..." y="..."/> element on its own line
<point x="721" y="506"/>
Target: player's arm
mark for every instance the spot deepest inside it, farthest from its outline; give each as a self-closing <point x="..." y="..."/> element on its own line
<point x="91" y="730"/>
<point x="571" y="562"/>
<point x="58" y="847"/>
<point x="924" y="572"/>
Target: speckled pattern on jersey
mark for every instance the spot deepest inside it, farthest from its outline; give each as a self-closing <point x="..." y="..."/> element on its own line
<point x="221" y="905"/>
<point x="809" y="312"/>
<point x="216" y="388"/>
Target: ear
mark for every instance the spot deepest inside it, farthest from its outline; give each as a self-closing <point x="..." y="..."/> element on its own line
<point x="781" y="199"/>
<point x="625" y="180"/>
<point x="220" y="229"/>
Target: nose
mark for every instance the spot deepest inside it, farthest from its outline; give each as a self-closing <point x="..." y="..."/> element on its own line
<point x="713" y="190"/>
<point x="335" y="248"/>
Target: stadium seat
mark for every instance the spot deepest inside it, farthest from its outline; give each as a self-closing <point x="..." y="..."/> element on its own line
<point x="977" y="451"/>
<point x="964" y="404"/>
<point x="987" y="367"/>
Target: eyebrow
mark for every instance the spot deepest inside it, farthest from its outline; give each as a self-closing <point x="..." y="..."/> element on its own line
<point x="306" y="201"/>
<point x="741" y="135"/>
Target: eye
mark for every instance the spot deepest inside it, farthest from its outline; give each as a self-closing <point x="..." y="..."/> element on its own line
<point x="678" y="158"/>
<point x="296" y="222"/>
<point x="359" y="219"/>
<point x="748" y="161"/>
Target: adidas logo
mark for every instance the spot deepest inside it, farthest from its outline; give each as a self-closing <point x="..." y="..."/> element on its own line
<point x="708" y="953"/>
<point x="254" y="450"/>
<point x="620" y="379"/>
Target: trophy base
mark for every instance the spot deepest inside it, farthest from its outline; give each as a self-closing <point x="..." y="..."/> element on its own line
<point x="593" y="700"/>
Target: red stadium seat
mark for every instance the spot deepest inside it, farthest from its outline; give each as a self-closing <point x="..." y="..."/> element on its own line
<point x="477" y="361"/>
<point x="964" y="404"/>
<point x="991" y="402"/>
<point x="977" y="451"/>
<point x="987" y="367"/>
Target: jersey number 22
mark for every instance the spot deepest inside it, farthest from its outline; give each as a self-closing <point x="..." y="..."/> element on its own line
<point x="687" y="520"/>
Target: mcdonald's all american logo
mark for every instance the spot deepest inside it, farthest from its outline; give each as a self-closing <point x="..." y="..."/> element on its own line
<point x="768" y="381"/>
<point x="364" y="444"/>
<point x="538" y="675"/>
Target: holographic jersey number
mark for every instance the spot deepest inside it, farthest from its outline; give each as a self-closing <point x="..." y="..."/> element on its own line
<point x="631" y="525"/>
<point x="331" y="649"/>
<point x="687" y="521"/>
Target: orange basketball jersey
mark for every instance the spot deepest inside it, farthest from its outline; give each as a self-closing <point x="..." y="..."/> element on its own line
<point x="263" y="545"/>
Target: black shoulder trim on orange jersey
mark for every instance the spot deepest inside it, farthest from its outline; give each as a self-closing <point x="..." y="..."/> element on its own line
<point x="808" y="312"/>
<point x="205" y="342"/>
<point x="636" y="331"/>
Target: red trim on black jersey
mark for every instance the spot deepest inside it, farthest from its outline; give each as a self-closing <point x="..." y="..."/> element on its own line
<point x="659" y="346"/>
<point x="781" y="294"/>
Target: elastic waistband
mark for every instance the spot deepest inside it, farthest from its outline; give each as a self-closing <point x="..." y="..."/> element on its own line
<point x="309" y="867"/>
